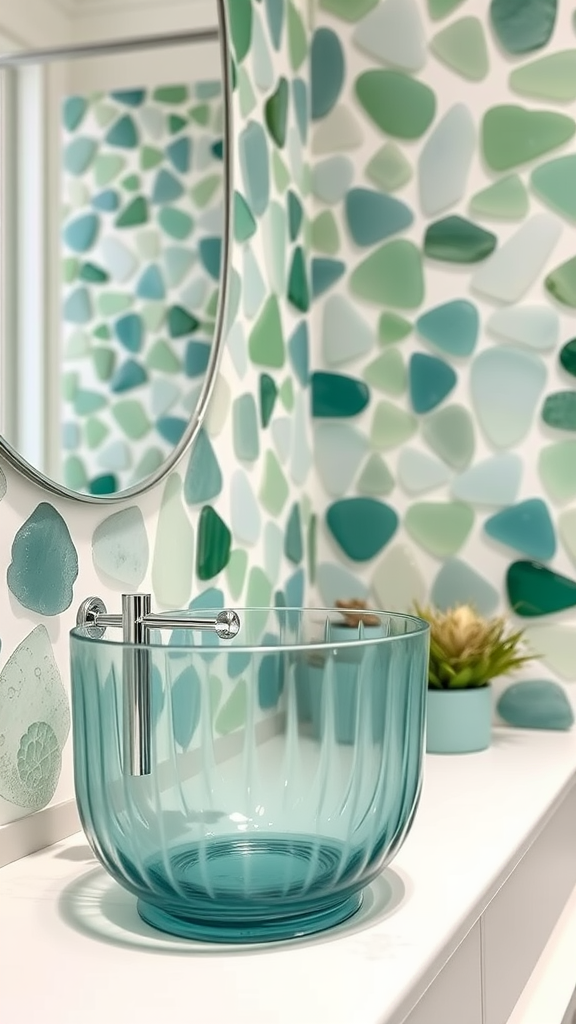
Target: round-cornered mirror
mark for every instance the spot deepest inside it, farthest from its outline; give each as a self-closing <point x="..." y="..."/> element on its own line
<point x="114" y="228"/>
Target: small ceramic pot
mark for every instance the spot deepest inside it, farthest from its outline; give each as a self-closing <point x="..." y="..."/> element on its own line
<point x="346" y="696"/>
<point x="459" y="721"/>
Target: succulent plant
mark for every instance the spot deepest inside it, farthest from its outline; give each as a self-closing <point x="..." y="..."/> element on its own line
<point x="467" y="650"/>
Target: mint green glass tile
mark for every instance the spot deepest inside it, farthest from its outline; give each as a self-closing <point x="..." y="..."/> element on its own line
<point x="450" y="434"/>
<point x="398" y="581"/>
<point x="392" y="328"/>
<point x="286" y="395"/>
<point x="203" y="478"/>
<point x="338" y="132"/>
<point x="462" y="47"/>
<point x="553" y="183"/>
<point x="85" y="402"/>
<point x="236" y="572"/>
<point x="393" y="34"/>
<point x="69" y="386"/>
<point x="567" y="531"/>
<point x="392" y="275"/>
<point x="104" y="114"/>
<point x="245" y="429"/>
<point x="301" y="461"/>
<point x="273" y="492"/>
<point x="95" y="431"/>
<point x="561" y="283"/>
<point x="280" y="173"/>
<point x="419" y="473"/>
<point x="131" y="418"/>
<point x="244" y="223"/>
<point x="150" y="157"/>
<point x="131" y="182"/>
<point x="445" y="160"/>
<point x="440" y="528"/>
<point x="281" y="433"/>
<point x="253" y="286"/>
<point x="348" y="10"/>
<point x="276" y="112"/>
<point x="170" y="94"/>
<point x="177" y="263"/>
<point x="399" y="105"/>
<point x="526" y="527"/>
<point x="150" y="462"/>
<point x="441" y="8"/>
<point x="536" y="327"/>
<point x="297" y="37"/>
<point x="135" y="213"/>
<point x="506" y="385"/>
<point x="331" y="178"/>
<point x="276" y="246"/>
<point x="78" y="155"/>
<point x="107" y="167"/>
<point x="262" y="65"/>
<point x="254" y="163"/>
<point x="75" y="476"/>
<point x="325" y="235"/>
<point x="204" y="192"/>
<point x="506" y="199"/>
<point x="557" y="470"/>
<point x="240" y="15"/>
<point x="266" y="342"/>
<point x="493" y="481"/>
<point x="389" y="168"/>
<point x="259" y="589"/>
<point x="512" y="135"/>
<point x="200" y="114"/>
<point x="391" y="426"/>
<point x="338" y="451"/>
<point x="556" y="647"/>
<point x="457" y="240"/>
<point x="375" y="480"/>
<point x="559" y="410"/>
<point x="232" y="714"/>
<point x="246" y="93"/>
<point x="164" y="395"/>
<point x="70" y="269"/>
<point x="161" y="357"/>
<point x="245" y="519"/>
<point x="521" y="28"/>
<point x="362" y="527"/>
<point x="518" y="263"/>
<point x="173" y="561"/>
<point x="104" y="360"/>
<point x="549" y="78"/>
<point x="458" y="583"/>
<point x="387" y="373"/>
<point x="176" y="223"/>
<point x="77" y="345"/>
<point x="345" y="333"/>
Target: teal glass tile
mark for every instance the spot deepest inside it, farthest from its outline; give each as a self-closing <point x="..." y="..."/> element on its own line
<point x="361" y="526"/>
<point x="210" y="251"/>
<point x="559" y="410"/>
<point x="129" y="97"/>
<point x="293" y="540"/>
<point x="244" y="223"/>
<point x="254" y="163"/>
<point x="177" y="263"/>
<point x="214" y="544"/>
<point x="536" y="704"/>
<point x="431" y="380"/>
<point x="245" y="428"/>
<point x="300" y="99"/>
<point x="275" y="13"/>
<point x="535" y="590"/>
<point x="73" y="111"/>
<point x="196" y="358"/>
<point x="44" y="564"/>
<point x="295" y="215"/>
<point x="80" y="234"/>
<point x="452" y="327"/>
<point x="336" y="395"/>
<point x="268" y="396"/>
<point x="123" y="133"/>
<point x="79" y="154"/>
<point x="457" y="240"/>
<point x="179" y="153"/>
<point x="373" y="216"/>
<point x="151" y="284"/>
<point x="506" y="385"/>
<point x="526" y="527"/>
<point x="523" y="27"/>
<point x="106" y="201"/>
<point x="493" y="481"/>
<point x="136" y="212"/>
<point x="171" y="428"/>
<point x="298" y="291"/>
<point x="129" y="330"/>
<point x="325" y="273"/>
<point x="327" y="72"/>
<point x="166" y="188"/>
<point x="181" y="322"/>
<point x="203" y="478"/>
<point x="299" y="352"/>
<point x="176" y="223"/>
<point x="129" y="375"/>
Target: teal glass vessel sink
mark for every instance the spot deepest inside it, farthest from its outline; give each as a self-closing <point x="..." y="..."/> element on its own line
<point x="248" y="789"/>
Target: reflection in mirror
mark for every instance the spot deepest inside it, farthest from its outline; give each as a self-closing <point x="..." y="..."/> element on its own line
<point x="113" y="214"/>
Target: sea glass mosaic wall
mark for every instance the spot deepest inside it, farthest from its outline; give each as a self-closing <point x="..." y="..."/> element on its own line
<point x="234" y="522"/>
<point x="142" y="235"/>
<point x="444" y="275"/>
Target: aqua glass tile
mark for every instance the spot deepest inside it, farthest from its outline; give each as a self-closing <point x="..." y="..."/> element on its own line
<point x="276" y="112"/>
<point x="338" y="451"/>
<point x="392" y="275"/>
<point x="87" y="402"/>
<point x="210" y="251"/>
<point x="325" y="273"/>
<point x="450" y="434"/>
<point x="123" y="133"/>
<point x="462" y="47"/>
<point x="120" y="549"/>
<point x="70" y="437"/>
<point x="203" y="478"/>
<point x="362" y="527"/>
<point x="179" y="153"/>
<point x="331" y="178"/>
<point x="517" y="264"/>
<point x="526" y="527"/>
<point x="391" y="426"/>
<point x="130" y="332"/>
<point x="373" y="216"/>
<point x="457" y="240"/>
<point x="445" y="160"/>
<point x="553" y="183"/>
<point x="136" y="212"/>
<point x="196" y="358"/>
<point x="44" y="564"/>
<point x="150" y="284"/>
<point x="129" y="375"/>
<point x="334" y="580"/>
<point x="298" y="351"/>
<point x="80" y="234"/>
<point x="181" y="322"/>
<point x="536" y="327"/>
<point x="345" y="333"/>
<point x="244" y="223"/>
<point x="254" y="164"/>
<point x="171" y="428"/>
<point x="399" y="105"/>
<point x="393" y="33"/>
<point x="245" y="517"/>
<point x="559" y="410"/>
<point x="78" y="155"/>
<point x="557" y="470"/>
<point x="166" y="188"/>
<point x="266" y="341"/>
<point x="458" y="583"/>
<point x="419" y="473"/>
<point x="549" y="78"/>
<point x="535" y="590"/>
<point x="506" y="385"/>
<point x="245" y="428"/>
<point x="452" y="327"/>
<point x="440" y="528"/>
<point x="430" y="380"/>
<point x="176" y="223"/>
<point x="375" y="480"/>
<point x="521" y="28"/>
<point x="389" y="169"/>
<point x="494" y="481"/>
<point x="115" y="457"/>
<point x="161" y="357"/>
<point x="561" y="283"/>
<point x="300" y="98"/>
<point x="536" y="704"/>
<point x="336" y="395"/>
<point x="73" y="111"/>
<point x="298" y="291"/>
<point x="327" y="72"/>
<point x="78" y="307"/>
<point x="506" y="199"/>
<point x="129" y="97"/>
<point x="153" y="315"/>
<point x="512" y="135"/>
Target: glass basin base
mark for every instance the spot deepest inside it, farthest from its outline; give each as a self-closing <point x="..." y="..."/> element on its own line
<point x="258" y="888"/>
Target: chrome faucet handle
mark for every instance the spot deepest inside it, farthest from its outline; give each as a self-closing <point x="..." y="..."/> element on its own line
<point x="94" y="618"/>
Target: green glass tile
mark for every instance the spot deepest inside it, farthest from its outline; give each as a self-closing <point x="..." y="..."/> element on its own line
<point x="106" y="167"/>
<point x="556" y="646"/>
<point x="297" y="37"/>
<point x="391" y="426"/>
<point x="293" y="541"/>
<point x="153" y="315"/>
<point x="77" y="345"/>
<point x="176" y="123"/>
<point x="362" y="527"/>
<point x="103" y="332"/>
<point x="232" y="714"/>
<point x="298" y="292"/>
<point x="535" y="590"/>
<point x="375" y="479"/>
<point x="457" y="240"/>
<point x="123" y="133"/>
<point x="506" y="199"/>
<point x="161" y="357"/>
<point x="171" y="94"/>
<point x="553" y="183"/>
<point x="175" y="223"/>
<point x="336" y="395"/>
<point x="131" y="418"/>
<point x="95" y="275"/>
<point x="392" y="328"/>
<point x="286" y="395"/>
<point x="523" y="27"/>
<point x="389" y="169"/>
<point x="276" y="112"/>
<point x="245" y="429"/>
<point x="387" y="372"/>
<point x="69" y="386"/>
<point x="274" y="489"/>
<point x="392" y="275"/>
<point x="348" y="10"/>
<point x="131" y="182"/>
<point x="312" y="545"/>
<point x="559" y="410"/>
<point x="240" y="16"/>
<point x="75" y="476"/>
<point x="150" y="157"/>
<point x="70" y="269"/>
<point x="441" y="528"/>
<point x="561" y="283"/>
<point x="181" y="322"/>
<point x="104" y="360"/>
<point x="550" y="78"/>
<point x="135" y="213"/>
<point x="200" y="114"/>
<point x="246" y="94"/>
<point x="236" y="572"/>
<point x="567" y="531"/>
<point x="325" y="237"/>
<point x="280" y="173"/>
<point x="450" y="434"/>
<point x="568" y="357"/>
<point x="512" y="135"/>
<point x="295" y="215"/>
<point x="462" y="47"/>
<point x="441" y="8"/>
<point x="266" y="342"/>
<point x="268" y="396"/>
<point x="205" y="190"/>
<point x="87" y="402"/>
<point x="95" y="431"/>
<point x="557" y="469"/>
<point x="214" y="544"/>
<point x="259" y="589"/>
<point x="399" y="105"/>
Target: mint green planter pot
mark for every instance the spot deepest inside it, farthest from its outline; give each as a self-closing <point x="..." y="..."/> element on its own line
<point x="459" y="721"/>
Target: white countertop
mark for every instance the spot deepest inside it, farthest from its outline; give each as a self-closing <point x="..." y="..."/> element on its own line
<point x="74" y="951"/>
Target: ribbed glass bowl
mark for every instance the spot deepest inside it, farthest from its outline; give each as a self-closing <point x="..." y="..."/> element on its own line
<point x="285" y="769"/>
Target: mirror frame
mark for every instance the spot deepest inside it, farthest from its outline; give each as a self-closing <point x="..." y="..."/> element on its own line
<point x="7" y="451"/>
